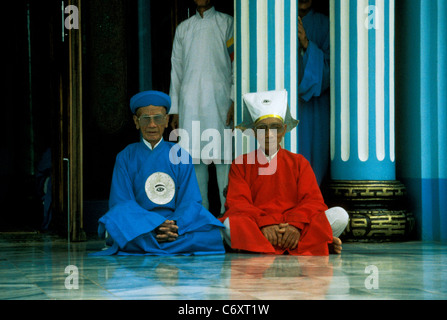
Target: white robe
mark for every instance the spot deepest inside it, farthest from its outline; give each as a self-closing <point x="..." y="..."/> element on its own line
<point x="202" y="84"/>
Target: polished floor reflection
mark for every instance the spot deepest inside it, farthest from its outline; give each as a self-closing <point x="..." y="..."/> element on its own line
<point x="36" y="266"/>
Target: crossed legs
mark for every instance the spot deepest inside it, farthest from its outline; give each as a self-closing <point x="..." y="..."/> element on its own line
<point x="338" y="219"/>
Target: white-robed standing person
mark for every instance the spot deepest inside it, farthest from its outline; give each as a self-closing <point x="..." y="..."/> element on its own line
<point x="202" y="92"/>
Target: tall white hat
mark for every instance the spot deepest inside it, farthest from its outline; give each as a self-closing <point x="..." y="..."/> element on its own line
<point x="268" y="104"/>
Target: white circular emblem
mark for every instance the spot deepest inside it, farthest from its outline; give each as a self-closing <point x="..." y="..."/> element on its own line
<point x="160" y="188"/>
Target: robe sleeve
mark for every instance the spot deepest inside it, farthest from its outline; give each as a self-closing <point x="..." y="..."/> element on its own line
<point x="121" y="189"/>
<point x="240" y="201"/>
<point x="310" y="199"/>
<point x="316" y="77"/>
<point x="176" y="71"/>
<point x="190" y="215"/>
<point x="230" y="47"/>
<point x="188" y="201"/>
<point x="126" y="219"/>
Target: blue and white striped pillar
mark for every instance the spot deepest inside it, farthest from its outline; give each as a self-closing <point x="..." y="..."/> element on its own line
<point x="362" y="90"/>
<point x="422" y="95"/>
<point x="266" y="44"/>
<point x="362" y="78"/>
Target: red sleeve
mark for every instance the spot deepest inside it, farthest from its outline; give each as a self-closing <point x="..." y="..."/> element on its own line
<point x="310" y="200"/>
<point x="239" y="199"/>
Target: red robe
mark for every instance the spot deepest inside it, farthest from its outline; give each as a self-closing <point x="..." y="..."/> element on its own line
<point x="289" y="194"/>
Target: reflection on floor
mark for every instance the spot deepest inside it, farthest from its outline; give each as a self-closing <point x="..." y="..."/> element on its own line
<point x="45" y="267"/>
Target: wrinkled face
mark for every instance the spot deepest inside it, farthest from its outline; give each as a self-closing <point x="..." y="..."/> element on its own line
<point x="152" y="122"/>
<point x="269" y="133"/>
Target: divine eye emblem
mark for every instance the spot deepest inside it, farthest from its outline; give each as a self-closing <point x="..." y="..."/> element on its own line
<point x="266" y="101"/>
<point x="160" y="188"/>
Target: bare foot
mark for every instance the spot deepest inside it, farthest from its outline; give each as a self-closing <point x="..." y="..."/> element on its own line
<point x="335" y="246"/>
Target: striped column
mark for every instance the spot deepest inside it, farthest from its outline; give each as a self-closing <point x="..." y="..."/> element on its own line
<point x="422" y="93"/>
<point x="362" y="90"/>
<point x="266" y="44"/>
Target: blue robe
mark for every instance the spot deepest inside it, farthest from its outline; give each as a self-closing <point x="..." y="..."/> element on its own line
<point x="314" y="104"/>
<point x="136" y="210"/>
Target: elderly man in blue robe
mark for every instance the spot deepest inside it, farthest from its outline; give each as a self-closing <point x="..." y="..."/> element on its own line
<point x="314" y="81"/>
<point x="155" y="207"/>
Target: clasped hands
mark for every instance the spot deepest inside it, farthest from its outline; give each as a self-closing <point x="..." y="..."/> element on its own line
<point x="282" y="235"/>
<point x="167" y="231"/>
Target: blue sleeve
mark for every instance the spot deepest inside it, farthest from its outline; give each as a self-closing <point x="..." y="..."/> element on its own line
<point x="126" y="219"/>
<point x="316" y="78"/>
<point x="122" y="187"/>
<point x="189" y="213"/>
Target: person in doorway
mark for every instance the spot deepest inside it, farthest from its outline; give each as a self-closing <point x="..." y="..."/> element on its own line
<point x="155" y="204"/>
<point x="274" y="204"/>
<point x="313" y="88"/>
<point x="202" y="90"/>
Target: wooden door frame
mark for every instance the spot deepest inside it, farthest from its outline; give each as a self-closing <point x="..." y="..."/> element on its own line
<point x="75" y="141"/>
<point x="68" y="143"/>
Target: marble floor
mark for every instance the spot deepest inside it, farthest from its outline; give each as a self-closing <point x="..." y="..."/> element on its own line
<point x="42" y="267"/>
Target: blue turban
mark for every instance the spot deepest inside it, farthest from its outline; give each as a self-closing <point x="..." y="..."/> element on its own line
<point x="150" y="98"/>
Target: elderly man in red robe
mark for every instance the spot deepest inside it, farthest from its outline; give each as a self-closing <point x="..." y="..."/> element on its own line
<point x="274" y="204"/>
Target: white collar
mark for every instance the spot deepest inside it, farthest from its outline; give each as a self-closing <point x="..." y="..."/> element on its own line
<point x="206" y="14"/>
<point x="150" y="146"/>
<point x="269" y="158"/>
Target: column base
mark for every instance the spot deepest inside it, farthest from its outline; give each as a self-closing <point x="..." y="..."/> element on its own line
<point x="377" y="210"/>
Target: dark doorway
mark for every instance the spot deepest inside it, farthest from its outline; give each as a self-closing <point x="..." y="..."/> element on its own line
<point x="110" y="78"/>
<point x="26" y="117"/>
<point x="321" y="6"/>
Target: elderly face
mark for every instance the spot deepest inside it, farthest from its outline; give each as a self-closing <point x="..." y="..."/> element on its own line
<point x="269" y="133"/>
<point x="152" y="122"/>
